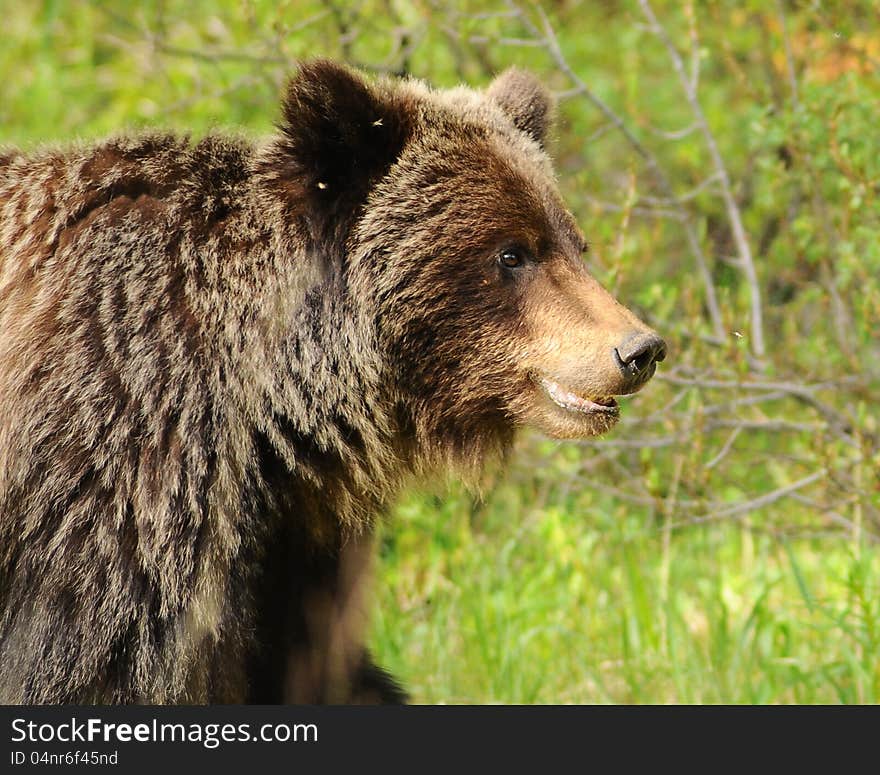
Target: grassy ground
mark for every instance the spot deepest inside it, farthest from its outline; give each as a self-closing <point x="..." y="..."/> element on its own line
<point x="571" y="601"/>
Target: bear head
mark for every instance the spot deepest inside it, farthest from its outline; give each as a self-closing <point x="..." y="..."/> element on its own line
<point x="441" y="212"/>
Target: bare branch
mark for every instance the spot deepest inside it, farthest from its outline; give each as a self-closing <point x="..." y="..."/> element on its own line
<point x="521" y="42"/>
<point x="770" y="426"/>
<point x="741" y="509"/>
<point x="673" y="134"/>
<point x="835" y="516"/>
<point x="603" y="130"/>
<point x="733" y="213"/>
<point x="687" y="196"/>
<point x="647" y="212"/>
<point x="792" y="388"/>
<point x="725" y="448"/>
<point x="216" y="56"/>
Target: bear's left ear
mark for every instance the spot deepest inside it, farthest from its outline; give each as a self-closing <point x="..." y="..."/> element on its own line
<point x="339" y="135"/>
<point x="525" y="100"/>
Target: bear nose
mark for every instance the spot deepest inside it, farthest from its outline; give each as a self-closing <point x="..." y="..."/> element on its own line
<point x="637" y="355"/>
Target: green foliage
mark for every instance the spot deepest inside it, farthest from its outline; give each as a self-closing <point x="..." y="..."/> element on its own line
<point x="720" y="545"/>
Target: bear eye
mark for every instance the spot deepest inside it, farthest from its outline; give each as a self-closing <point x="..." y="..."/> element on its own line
<point x="512" y="258"/>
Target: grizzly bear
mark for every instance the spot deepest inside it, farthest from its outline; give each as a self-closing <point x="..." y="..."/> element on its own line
<point x="221" y="360"/>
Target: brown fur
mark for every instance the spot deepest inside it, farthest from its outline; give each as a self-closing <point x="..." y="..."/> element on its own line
<point x="219" y="363"/>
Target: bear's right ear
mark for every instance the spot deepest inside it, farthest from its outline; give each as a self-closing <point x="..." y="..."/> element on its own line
<point x="339" y="135"/>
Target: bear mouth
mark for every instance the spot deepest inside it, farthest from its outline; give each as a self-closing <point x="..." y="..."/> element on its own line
<point x="572" y="402"/>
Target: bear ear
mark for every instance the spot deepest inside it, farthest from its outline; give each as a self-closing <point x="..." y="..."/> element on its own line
<point x="525" y="100"/>
<point x="339" y="135"/>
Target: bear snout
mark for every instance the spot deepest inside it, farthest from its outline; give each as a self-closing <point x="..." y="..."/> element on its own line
<point x="637" y="357"/>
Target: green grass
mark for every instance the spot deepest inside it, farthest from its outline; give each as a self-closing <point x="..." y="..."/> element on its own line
<point x="502" y="601"/>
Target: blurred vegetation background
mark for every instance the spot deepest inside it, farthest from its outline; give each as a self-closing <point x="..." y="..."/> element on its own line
<point x="722" y="157"/>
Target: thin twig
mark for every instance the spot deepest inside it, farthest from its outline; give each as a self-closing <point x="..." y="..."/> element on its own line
<point x="645" y="212"/>
<point x="687" y="196"/>
<point x="725" y="448"/>
<point x="673" y="134"/>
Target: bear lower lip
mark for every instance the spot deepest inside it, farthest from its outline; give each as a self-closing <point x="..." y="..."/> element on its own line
<point x="572" y="402"/>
